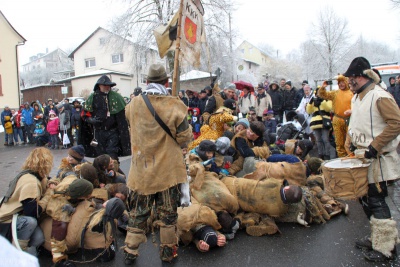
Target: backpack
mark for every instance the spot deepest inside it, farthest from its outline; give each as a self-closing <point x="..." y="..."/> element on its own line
<point x="287" y="131"/>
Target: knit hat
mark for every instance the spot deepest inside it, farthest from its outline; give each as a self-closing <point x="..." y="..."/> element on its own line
<point x="230" y="103"/>
<point x="207" y="145"/>
<point x="230" y="86"/>
<point x="80" y="188"/>
<point x="244" y="122"/>
<point x="60" y="105"/>
<point x="258" y="128"/>
<point x="288" y="83"/>
<point x="114" y="208"/>
<point x="52" y="112"/>
<point x="291" y="194"/>
<point x="88" y="172"/>
<point x="304" y="82"/>
<point x="208" y="235"/>
<point x="229" y="134"/>
<point x="305" y="145"/>
<point x="222" y="144"/>
<point x="77" y="152"/>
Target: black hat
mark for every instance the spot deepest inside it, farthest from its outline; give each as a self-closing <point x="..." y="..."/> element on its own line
<point x="230" y="103"/>
<point x="104" y="80"/>
<point x="204" y="91"/>
<point x="357" y="67"/>
<point x="114" y="208"/>
<point x="137" y="91"/>
<point x="258" y="128"/>
<point x="304" y="82"/>
<point x="207" y="145"/>
<point x="77" y="152"/>
<point x="80" y="188"/>
<point x="288" y="83"/>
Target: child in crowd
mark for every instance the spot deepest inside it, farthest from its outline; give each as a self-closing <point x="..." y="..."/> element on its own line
<point x="40" y="134"/>
<point x="17" y="127"/>
<point x="52" y="129"/>
<point x="9" y="129"/>
<point x="195" y="122"/>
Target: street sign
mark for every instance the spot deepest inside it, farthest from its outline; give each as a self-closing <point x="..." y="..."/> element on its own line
<point x="64" y="90"/>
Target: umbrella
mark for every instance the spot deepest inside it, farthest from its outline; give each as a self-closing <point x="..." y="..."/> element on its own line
<point x="241" y="84"/>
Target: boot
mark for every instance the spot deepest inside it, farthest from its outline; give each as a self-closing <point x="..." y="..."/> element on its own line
<point x="168" y="253"/>
<point x="267" y="226"/>
<point x="64" y="263"/>
<point x="384" y="237"/>
<point x="134" y="237"/>
<point x="129" y="258"/>
<point x="168" y="242"/>
<point x="364" y="243"/>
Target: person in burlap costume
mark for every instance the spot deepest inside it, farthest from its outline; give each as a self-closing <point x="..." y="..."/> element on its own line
<point x="341" y="103"/>
<point x="76" y="156"/>
<point x="59" y="203"/>
<point x="108" y="170"/>
<point x="157" y="168"/>
<point x="376" y="129"/>
<point x="22" y="197"/>
<point x="215" y="127"/>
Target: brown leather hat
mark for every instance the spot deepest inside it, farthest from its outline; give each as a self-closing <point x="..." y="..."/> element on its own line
<point x="157" y="73"/>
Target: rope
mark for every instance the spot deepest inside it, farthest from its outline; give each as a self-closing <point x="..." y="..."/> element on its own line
<point x="95" y="258"/>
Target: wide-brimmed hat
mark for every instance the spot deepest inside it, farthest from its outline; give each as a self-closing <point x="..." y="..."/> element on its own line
<point x="357" y="67"/>
<point x="157" y="73"/>
<point x="105" y="80"/>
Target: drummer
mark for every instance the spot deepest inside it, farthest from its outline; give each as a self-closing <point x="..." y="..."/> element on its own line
<point x="376" y="129"/>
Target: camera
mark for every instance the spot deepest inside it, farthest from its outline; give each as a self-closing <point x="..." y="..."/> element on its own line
<point x="329" y="82"/>
<point x="94" y="143"/>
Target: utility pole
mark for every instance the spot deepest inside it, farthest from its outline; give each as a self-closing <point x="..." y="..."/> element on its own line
<point x="230" y="46"/>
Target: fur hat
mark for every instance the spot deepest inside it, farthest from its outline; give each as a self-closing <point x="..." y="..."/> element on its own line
<point x="222" y="144"/>
<point x="230" y="103"/>
<point x="105" y="80"/>
<point x="360" y="67"/>
<point x="77" y="152"/>
<point x="52" y="112"/>
<point x="292" y="194"/>
<point x="80" y="188"/>
<point x="157" y="73"/>
<point x="258" y="128"/>
<point x="344" y="79"/>
<point x="244" y="122"/>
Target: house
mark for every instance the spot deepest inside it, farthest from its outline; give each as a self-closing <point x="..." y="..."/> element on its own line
<point x="195" y="80"/>
<point x="9" y="78"/>
<point x="45" y="68"/>
<point x="103" y="52"/>
<point x="251" y="63"/>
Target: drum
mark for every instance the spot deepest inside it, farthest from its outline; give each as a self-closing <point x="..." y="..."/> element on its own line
<point x="346" y="178"/>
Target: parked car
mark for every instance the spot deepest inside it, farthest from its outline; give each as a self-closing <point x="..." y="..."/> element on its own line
<point x="72" y="99"/>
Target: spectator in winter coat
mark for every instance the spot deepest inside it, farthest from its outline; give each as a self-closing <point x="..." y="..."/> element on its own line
<point x="65" y="125"/>
<point x="203" y="98"/>
<point x="76" y="121"/>
<point x="6" y="112"/>
<point x="9" y="129"/>
<point x="27" y="118"/>
<point x="37" y="113"/>
<point x="17" y="129"/>
<point x="193" y="101"/>
<point x="300" y="92"/>
<point x="263" y="101"/>
<point x="182" y="97"/>
<point x="289" y="98"/>
<point x="52" y="128"/>
<point x="50" y="106"/>
<point x="246" y="100"/>
<point x="392" y="85"/>
<point x="277" y="101"/>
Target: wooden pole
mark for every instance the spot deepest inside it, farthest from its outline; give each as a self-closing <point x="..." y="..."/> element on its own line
<point x="177" y="51"/>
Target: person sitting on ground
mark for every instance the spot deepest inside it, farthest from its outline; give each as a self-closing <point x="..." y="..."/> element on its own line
<point x="206" y="152"/>
<point x="107" y="170"/>
<point x="40" y="134"/>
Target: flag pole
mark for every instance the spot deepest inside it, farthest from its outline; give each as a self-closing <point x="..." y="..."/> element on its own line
<point x="177" y="51"/>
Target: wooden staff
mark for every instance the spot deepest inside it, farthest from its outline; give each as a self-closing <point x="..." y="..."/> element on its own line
<point x="177" y="51"/>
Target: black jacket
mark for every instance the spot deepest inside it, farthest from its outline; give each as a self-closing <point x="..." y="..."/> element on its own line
<point x="277" y="100"/>
<point x="289" y="99"/>
<point x="202" y="104"/>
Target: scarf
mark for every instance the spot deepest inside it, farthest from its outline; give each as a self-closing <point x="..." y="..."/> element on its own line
<point x="156" y="88"/>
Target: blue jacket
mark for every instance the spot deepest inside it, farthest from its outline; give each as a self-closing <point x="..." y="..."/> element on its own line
<point x="5" y="113"/>
<point x="27" y="115"/>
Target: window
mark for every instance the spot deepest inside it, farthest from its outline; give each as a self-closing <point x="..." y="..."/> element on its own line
<point x="102" y="40"/>
<point x="143" y="78"/>
<point x="90" y="62"/>
<point x="117" y="58"/>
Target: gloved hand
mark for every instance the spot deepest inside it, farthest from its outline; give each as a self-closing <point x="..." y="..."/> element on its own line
<point x="317" y="102"/>
<point x="352" y="147"/>
<point x="92" y="120"/>
<point x="68" y="209"/>
<point x="371" y="153"/>
<point x="214" y="168"/>
<point x="224" y="172"/>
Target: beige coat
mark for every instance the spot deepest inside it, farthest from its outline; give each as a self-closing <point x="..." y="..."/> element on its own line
<point x="157" y="160"/>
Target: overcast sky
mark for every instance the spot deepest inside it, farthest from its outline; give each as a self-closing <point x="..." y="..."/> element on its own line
<point x="284" y="24"/>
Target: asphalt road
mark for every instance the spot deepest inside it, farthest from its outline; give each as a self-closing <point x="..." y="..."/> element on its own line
<point x="330" y="244"/>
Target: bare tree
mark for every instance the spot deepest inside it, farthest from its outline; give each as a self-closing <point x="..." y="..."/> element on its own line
<point x="330" y="39"/>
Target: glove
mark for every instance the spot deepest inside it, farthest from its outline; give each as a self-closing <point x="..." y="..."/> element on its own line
<point x="92" y="120"/>
<point x="224" y="172"/>
<point x="68" y="209"/>
<point x="371" y="153"/>
<point x="317" y="102"/>
<point x="352" y="147"/>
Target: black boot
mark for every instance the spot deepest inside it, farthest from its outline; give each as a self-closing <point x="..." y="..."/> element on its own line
<point x="376" y="256"/>
<point x="64" y="263"/>
<point x="364" y="243"/>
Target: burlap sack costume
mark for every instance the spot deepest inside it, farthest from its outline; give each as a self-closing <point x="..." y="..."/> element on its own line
<point x="193" y="216"/>
<point x="294" y="173"/>
<point x="257" y="196"/>
<point x="208" y="190"/>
